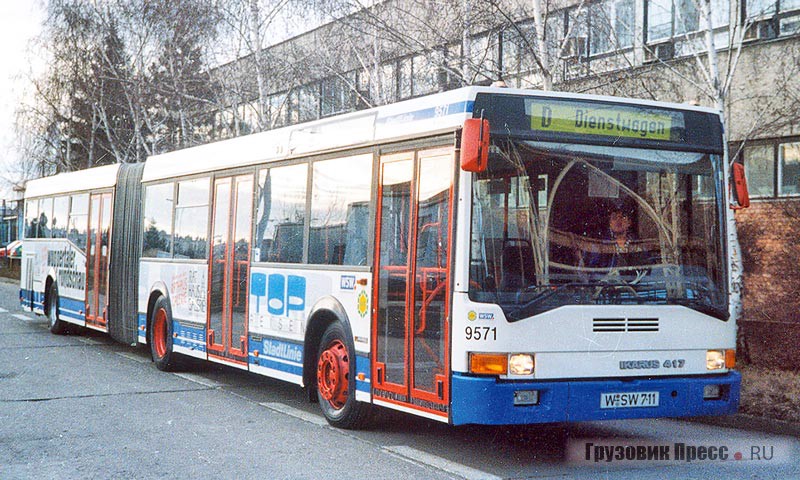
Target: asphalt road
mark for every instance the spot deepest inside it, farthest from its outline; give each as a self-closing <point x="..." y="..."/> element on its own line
<point x="83" y="406"/>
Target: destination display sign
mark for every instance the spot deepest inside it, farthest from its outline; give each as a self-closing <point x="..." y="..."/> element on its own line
<point x="590" y="118"/>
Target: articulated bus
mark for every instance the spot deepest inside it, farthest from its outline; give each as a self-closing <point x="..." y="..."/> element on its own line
<point x="457" y="256"/>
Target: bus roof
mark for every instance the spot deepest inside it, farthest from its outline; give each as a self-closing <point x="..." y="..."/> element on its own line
<point x="423" y="116"/>
<point x="77" y="181"/>
<point x="429" y="115"/>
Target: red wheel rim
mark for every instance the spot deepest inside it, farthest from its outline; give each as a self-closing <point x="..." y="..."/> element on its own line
<point x="332" y="373"/>
<point x="160" y="332"/>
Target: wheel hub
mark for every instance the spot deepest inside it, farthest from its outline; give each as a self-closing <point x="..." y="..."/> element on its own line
<point x="160" y="332"/>
<point x="332" y="373"/>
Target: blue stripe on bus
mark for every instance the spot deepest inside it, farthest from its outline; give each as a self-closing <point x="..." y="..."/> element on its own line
<point x="26" y="301"/>
<point x="71" y="308"/>
<point x="486" y="401"/>
<point x="67" y="307"/>
<point x="428" y="113"/>
<point x="189" y="336"/>
<point x="267" y="362"/>
<point x="363" y="366"/>
<point x="24" y="298"/>
<point x="277" y="354"/>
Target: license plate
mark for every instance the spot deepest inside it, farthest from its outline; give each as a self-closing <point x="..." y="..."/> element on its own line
<point x="629" y="400"/>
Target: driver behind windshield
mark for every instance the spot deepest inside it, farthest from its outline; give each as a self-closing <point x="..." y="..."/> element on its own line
<point x="617" y="249"/>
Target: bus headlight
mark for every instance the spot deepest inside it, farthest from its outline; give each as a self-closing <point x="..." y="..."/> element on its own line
<point x="715" y="359"/>
<point x="517" y="364"/>
<point x="520" y="364"/>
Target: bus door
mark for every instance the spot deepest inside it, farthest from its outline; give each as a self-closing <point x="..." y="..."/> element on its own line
<point x="97" y="256"/>
<point x="412" y="280"/>
<point x="228" y="276"/>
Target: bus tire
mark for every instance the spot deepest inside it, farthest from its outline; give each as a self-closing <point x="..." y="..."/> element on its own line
<point x="57" y="326"/>
<point x="335" y="381"/>
<point x="160" y="336"/>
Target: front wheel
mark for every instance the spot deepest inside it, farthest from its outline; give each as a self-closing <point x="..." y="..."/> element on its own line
<point x="161" y="336"/>
<point x="336" y="382"/>
<point x="57" y="326"/>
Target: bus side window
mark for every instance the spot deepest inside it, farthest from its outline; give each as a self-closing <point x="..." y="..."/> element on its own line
<point x="157" y="236"/>
<point x="281" y="214"/>
<point x="339" y="186"/>
<point x="191" y="219"/>
<point x="31" y="219"/>
<point x="58" y="223"/>
<point x="78" y="220"/>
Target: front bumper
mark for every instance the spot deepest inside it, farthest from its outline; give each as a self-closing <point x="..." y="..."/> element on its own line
<point x="489" y="401"/>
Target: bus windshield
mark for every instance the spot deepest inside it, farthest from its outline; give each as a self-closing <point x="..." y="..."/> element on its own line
<point x="563" y="224"/>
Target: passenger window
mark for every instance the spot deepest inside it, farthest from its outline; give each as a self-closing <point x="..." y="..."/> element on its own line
<point x="340" y="211"/>
<point x="157" y="236"/>
<point x="78" y="220"/>
<point x="191" y="219"/>
<point x="45" y="214"/>
<point x="32" y="219"/>
<point x="281" y="217"/>
<point x="58" y="224"/>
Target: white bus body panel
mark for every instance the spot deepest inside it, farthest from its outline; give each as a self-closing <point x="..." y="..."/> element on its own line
<point x="281" y="300"/>
<point x="277" y="316"/>
<point x="72" y="182"/>
<point x="66" y="264"/>
<point x="566" y="343"/>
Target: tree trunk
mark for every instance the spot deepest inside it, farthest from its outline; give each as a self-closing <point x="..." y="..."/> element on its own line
<point x="255" y="39"/>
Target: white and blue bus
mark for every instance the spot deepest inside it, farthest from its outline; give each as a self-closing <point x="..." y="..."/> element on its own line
<point x="456" y="256"/>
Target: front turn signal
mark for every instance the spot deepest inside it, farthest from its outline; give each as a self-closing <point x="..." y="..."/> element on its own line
<point x="488" y="363"/>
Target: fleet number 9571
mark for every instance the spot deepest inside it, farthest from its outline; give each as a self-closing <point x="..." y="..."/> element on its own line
<point x="481" y="333"/>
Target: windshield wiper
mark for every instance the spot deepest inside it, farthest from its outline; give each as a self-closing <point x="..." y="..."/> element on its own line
<point x="531" y="306"/>
<point x="714" y="311"/>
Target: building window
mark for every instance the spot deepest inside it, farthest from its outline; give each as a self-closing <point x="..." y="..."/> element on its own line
<point x="610" y="26"/>
<point x="305" y="103"/>
<point x="666" y="18"/>
<point x="761" y="8"/>
<point x="669" y="18"/>
<point x="483" y="55"/>
<point x="405" y="74"/>
<point x="759" y="167"/>
<point x="336" y="94"/>
<point x="426" y="73"/>
<point x="773" y="170"/>
<point x="789" y="169"/>
<point x="577" y="31"/>
<point x="516" y="44"/>
<point x="780" y="17"/>
<point x="277" y="110"/>
<point x="387" y="84"/>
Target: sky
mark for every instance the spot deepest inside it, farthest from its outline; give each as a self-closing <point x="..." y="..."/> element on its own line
<point x="20" y="21"/>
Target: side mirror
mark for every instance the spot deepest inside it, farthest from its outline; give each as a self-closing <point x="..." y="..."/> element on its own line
<point x="739" y="187"/>
<point x="475" y="145"/>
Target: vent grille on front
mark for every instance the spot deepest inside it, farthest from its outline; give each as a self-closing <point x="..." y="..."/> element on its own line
<point x="625" y="324"/>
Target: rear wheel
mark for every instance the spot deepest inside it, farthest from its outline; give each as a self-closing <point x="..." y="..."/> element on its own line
<point x="57" y="326"/>
<point x="336" y="381"/>
<point x="161" y="336"/>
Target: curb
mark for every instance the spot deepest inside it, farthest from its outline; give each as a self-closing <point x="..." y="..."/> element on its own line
<point x="743" y="421"/>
